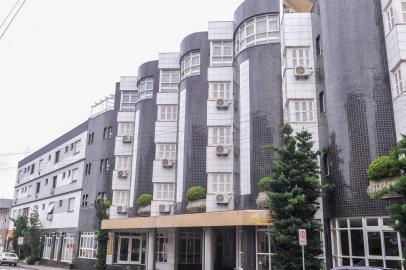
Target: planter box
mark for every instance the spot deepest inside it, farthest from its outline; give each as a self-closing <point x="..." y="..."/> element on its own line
<point x="144" y="211"/>
<point x="378" y="185"/>
<point x="263" y="200"/>
<point x="197" y="206"/>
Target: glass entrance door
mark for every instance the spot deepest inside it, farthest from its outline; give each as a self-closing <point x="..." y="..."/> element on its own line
<point x="135" y="256"/>
<point x="123" y="249"/>
<point x="130" y="250"/>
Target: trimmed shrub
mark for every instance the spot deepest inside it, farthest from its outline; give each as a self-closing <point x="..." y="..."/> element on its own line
<point x="383" y="167"/>
<point x="195" y="193"/>
<point x="144" y="200"/>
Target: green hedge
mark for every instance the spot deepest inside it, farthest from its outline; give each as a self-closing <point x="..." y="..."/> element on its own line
<point x="144" y="200"/>
<point x="195" y="193"/>
<point x="383" y="167"/>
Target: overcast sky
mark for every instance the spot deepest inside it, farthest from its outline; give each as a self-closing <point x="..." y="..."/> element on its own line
<point x="60" y="56"/>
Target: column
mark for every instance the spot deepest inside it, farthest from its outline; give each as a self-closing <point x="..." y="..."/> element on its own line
<point x="209" y="248"/>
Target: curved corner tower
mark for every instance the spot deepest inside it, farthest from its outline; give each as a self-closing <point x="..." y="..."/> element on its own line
<point x="258" y="91"/>
<point x="358" y="100"/>
<point x="192" y="126"/>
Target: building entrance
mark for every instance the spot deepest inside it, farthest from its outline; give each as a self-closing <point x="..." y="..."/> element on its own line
<point x="225" y="249"/>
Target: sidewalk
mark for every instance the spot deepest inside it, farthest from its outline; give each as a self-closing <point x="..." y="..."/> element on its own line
<point x="38" y="267"/>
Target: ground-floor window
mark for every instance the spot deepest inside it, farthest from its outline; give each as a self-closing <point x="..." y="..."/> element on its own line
<point x="67" y="247"/>
<point x="162" y="242"/>
<point x="264" y="249"/>
<point x="366" y="241"/>
<point x="191" y="248"/>
<point x="88" y="245"/>
<point x="47" y="247"/>
<point x="130" y="248"/>
<point x="57" y="244"/>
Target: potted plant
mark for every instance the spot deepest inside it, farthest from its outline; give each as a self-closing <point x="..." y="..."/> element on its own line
<point x="263" y="199"/>
<point x="144" y="204"/>
<point x="196" y="197"/>
<point x="383" y="172"/>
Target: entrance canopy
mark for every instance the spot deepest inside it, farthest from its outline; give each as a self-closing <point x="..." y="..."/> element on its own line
<point x="211" y="219"/>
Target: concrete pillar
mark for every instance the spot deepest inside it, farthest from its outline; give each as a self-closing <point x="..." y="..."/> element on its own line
<point x="151" y="250"/>
<point x="209" y="248"/>
<point x="110" y="247"/>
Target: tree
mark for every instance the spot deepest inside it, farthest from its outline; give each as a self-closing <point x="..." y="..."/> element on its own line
<point x="293" y="189"/>
<point x="33" y="237"/>
<point x="101" y="207"/>
<point x="21" y="225"/>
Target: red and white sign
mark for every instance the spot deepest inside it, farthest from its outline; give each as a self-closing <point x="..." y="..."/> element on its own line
<point x="302" y="237"/>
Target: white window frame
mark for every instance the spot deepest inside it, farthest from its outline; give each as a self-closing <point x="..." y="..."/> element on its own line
<point x="220" y="90"/>
<point x="220" y="135"/>
<point x="300" y="56"/>
<point x="123" y="163"/>
<point x="390" y="17"/>
<point x="75" y="174"/>
<point x="248" y="35"/>
<point x="196" y="256"/>
<point x="47" y="247"/>
<point x="172" y="84"/>
<point x="258" y="254"/>
<point x="167" y="112"/>
<point x="146" y="88"/>
<point x="220" y="183"/>
<point x="71" y="204"/>
<point x="398" y="79"/>
<point x="68" y="243"/>
<point x="301" y="111"/>
<point x="162" y="244"/>
<point x="121" y="197"/>
<point x="164" y="191"/>
<point x="190" y="64"/>
<point x="88" y="245"/>
<point x="77" y="147"/>
<point x="165" y="151"/>
<point x="125" y="129"/>
<point x="224" y="58"/>
<point x="403" y="8"/>
<point x="128" y="101"/>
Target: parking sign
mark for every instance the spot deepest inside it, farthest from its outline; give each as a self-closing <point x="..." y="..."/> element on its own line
<point x="302" y="237"/>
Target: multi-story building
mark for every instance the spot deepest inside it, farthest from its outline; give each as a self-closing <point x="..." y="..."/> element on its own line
<point x="5" y="206"/>
<point x="62" y="180"/>
<point x="199" y="118"/>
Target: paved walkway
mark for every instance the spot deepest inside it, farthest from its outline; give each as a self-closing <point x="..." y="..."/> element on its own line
<point x="38" y="267"/>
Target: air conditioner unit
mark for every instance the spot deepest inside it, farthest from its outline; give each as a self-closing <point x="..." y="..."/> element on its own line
<point x="127" y="139"/>
<point x="303" y="72"/>
<point x="166" y="163"/>
<point x="222" y="150"/>
<point x="123" y="174"/>
<point x="164" y="208"/>
<point x="222" y="104"/>
<point x="52" y="192"/>
<point x="122" y="209"/>
<point x="223" y="198"/>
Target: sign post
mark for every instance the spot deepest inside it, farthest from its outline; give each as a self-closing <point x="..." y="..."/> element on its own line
<point x="303" y="243"/>
<point x="20" y="242"/>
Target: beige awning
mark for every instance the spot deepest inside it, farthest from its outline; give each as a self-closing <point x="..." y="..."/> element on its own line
<point x="300" y="5"/>
<point x="211" y="219"/>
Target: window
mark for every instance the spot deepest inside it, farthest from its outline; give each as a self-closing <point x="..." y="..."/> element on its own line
<point x="128" y="100"/>
<point x="90" y="138"/>
<point x="46" y="254"/>
<point x="32" y="168"/>
<point x="391" y="18"/>
<point x="191" y="248"/>
<point x="301" y="57"/>
<point x="326" y="165"/>
<point x="170" y="80"/>
<point x="221" y="53"/>
<point x="322" y="102"/>
<point x="125" y="129"/>
<point x="398" y="82"/>
<point x="219" y="136"/>
<point x="71" y="146"/>
<point x="263" y="249"/>
<point x="146" y="87"/>
<point x="75" y="175"/>
<point x="120" y="197"/>
<point x="104" y="165"/>
<point x="46" y="181"/>
<point x="300" y="111"/>
<point x="220" y="183"/>
<point x="60" y="203"/>
<point x="69" y="173"/>
<point x="403" y="11"/>
<point x="162" y="243"/>
<point x="43" y="206"/>
<point x="88" y="168"/>
<point x="77" y="147"/>
<point x="167" y="112"/>
<point x="258" y="30"/>
<point x="123" y="163"/>
<point x="164" y="192"/>
<point x="88" y="245"/>
<point x="57" y="153"/>
<point x="107" y="132"/>
<point x="365" y="240"/>
<point x="38" y="187"/>
<point x="49" y="158"/>
<point x="71" y="204"/>
<point x="318" y="46"/>
<point x="67" y="247"/>
<point x="85" y="199"/>
<point x="67" y="149"/>
<point x="220" y="90"/>
<point x="166" y="151"/>
<point x="54" y="181"/>
<point x="63" y="175"/>
<point x="190" y="64"/>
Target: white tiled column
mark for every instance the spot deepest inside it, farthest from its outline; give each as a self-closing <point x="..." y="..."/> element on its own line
<point x="151" y="250"/>
<point x="209" y="248"/>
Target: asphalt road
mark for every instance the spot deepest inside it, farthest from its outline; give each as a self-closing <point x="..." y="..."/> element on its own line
<point x="3" y="267"/>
